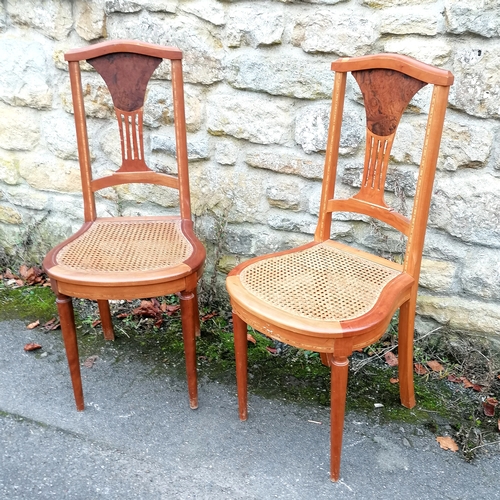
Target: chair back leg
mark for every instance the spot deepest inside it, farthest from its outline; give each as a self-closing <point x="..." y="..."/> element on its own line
<point x="405" y="352"/>
<point x="106" y="322"/>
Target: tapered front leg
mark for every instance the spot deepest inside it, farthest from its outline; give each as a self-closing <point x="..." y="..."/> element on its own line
<point x="241" y="355"/>
<point x="67" y="319"/>
<point x="188" y="311"/>
<point x="405" y="354"/>
<point x="339" y="368"/>
<point x="106" y="322"/>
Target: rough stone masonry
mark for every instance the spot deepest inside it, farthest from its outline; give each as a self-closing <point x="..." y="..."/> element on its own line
<point x="258" y="89"/>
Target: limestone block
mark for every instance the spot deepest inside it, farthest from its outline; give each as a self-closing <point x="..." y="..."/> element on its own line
<point x="300" y="223"/>
<point x="52" y="18"/>
<point x="228" y="262"/>
<point x="226" y="151"/>
<point x="468" y="207"/>
<point x="19" y="128"/>
<point x="311" y="128"/>
<point x="203" y="54"/>
<point x="466" y="143"/>
<point x="3" y="17"/>
<point x="237" y="196"/>
<point x="49" y="174"/>
<point x="159" y="110"/>
<point x="287" y="163"/>
<point x="409" y="21"/>
<point x="461" y="313"/>
<point x="431" y="51"/>
<point x="109" y="142"/>
<point x="256" y="23"/>
<point x="197" y="146"/>
<point x="284" y="194"/>
<point x="90" y="19"/>
<point x="124" y="6"/>
<point x="261" y="240"/>
<point x="9" y="167"/>
<point x="392" y="3"/>
<point x="322" y="2"/>
<point x="60" y="135"/>
<point x="27" y="197"/>
<point x="98" y="102"/>
<point x="149" y="193"/>
<point x="477" y="80"/>
<point x="481" y="18"/>
<point x="9" y="215"/>
<point x="437" y="275"/>
<point x="290" y="76"/>
<point x="481" y="273"/>
<point x="24" y="79"/>
<point x="441" y="246"/>
<point x="344" y="34"/>
<point x="249" y="116"/>
<point x="400" y="178"/>
<point x="208" y="10"/>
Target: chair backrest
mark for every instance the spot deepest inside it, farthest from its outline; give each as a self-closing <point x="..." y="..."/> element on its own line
<point x="126" y="66"/>
<point x="388" y="82"/>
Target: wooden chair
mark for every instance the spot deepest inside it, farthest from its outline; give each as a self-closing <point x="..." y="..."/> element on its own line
<point x="128" y="257"/>
<point x="329" y="297"/>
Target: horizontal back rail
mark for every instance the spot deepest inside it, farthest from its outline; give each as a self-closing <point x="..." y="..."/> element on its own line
<point x="134" y="178"/>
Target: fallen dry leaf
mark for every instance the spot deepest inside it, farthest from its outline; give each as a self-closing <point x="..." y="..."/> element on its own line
<point x="32" y="346"/>
<point x="455" y="379"/>
<point x="89" y="362"/>
<point x="499" y="424"/>
<point x="272" y="350"/>
<point x="435" y="366"/>
<point x="8" y="275"/>
<point x="467" y="383"/>
<point x="394" y="380"/>
<point x="477" y="387"/>
<point x="420" y="369"/>
<point x="209" y="316"/>
<point x="33" y="325"/>
<point x="391" y="359"/>
<point x="251" y="339"/>
<point x="52" y="324"/>
<point x="489" y="406"/>
<point x="447" y="443"/>
<point x="171" y="309"/>
<point x="95" y="323"/>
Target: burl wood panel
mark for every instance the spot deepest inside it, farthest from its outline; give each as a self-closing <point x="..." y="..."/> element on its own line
<point x="126" y="76"/>
<point x="386" y="94"/>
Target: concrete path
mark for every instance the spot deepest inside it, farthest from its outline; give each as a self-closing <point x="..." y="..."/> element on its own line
<point x="138" y="439"/>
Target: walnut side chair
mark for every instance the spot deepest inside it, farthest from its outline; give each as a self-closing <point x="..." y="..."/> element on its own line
<point x="331" y="298"/>
<point x="113" y="258"/>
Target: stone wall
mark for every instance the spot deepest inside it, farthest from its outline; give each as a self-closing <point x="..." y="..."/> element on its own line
<point x="257" y="94"/>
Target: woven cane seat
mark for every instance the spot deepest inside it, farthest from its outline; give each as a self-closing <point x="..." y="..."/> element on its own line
<point x="127" y="246"/>
<point x="321" y="282"/>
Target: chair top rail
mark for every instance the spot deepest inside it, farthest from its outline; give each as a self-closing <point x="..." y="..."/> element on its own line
<point x="396" y="62"/>
<point x="114" y="46"/>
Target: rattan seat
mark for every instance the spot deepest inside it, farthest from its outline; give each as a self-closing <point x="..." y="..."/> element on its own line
<point x="338" y="285"/>
<point x="332" y="298"/>
<point x="130" y="257"/>
<point x="127" y="246"/>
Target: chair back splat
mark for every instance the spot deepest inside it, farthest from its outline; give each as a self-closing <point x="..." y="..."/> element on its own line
<point x="128" y="257"/>
<point x="329" y="297"/>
